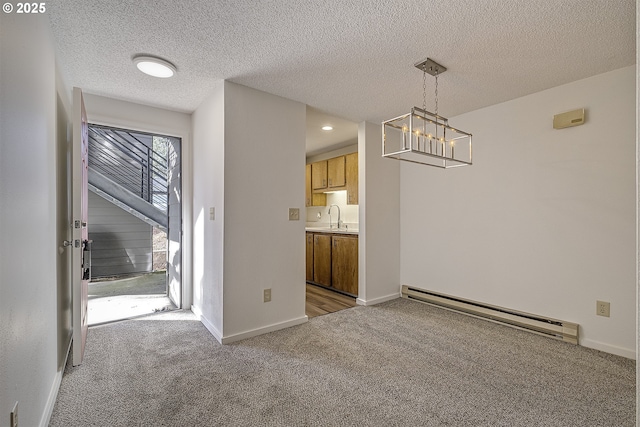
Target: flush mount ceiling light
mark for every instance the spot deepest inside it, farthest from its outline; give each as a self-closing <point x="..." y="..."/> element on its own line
<point x="424" y="137"/>
<point x="327" y="127"/>
<point x="156" y="67"/>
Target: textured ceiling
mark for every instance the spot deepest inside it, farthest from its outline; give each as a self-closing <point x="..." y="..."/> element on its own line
<point x="351" y="58"/>
<point x="344" y="132"/>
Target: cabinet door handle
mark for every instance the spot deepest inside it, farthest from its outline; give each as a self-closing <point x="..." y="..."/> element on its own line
<point x="329" y="181"/>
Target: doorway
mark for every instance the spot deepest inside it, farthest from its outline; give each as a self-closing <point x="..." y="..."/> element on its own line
<point x="135" y="223"/>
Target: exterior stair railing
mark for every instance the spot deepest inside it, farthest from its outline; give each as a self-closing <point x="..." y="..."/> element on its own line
<point x="125" y="169"/>
<point x="129" y="160"/>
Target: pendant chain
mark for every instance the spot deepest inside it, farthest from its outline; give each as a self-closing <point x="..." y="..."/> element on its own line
<point x="424" y="87"/>
<point x="436" y="91"/>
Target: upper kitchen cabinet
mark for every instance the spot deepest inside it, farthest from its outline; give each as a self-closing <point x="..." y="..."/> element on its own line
<point x="311" y="198"/>
<point x="336" y="172"/>
<point x="352" y="178"/>
<point x="328" y="174"/>
<point x="319" y="175"/>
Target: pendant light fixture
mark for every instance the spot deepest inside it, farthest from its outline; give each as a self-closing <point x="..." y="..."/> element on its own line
<point x="424" y="137"/>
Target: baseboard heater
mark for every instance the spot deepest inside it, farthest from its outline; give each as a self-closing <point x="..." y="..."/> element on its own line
<point x="553" y="328"/>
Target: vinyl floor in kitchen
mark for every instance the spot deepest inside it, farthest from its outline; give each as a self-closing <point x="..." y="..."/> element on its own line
<point x="323" y="301"/>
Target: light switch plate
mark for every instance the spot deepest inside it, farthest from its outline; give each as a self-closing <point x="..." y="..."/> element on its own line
<point x="212" y="214"/>
<point x="294" y="214"/>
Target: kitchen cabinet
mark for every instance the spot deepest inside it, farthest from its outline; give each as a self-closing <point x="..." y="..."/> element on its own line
<point x="351" y="168"/>
<point x="319" y="175"/>
<point x="309" y="245"/>
<point x="344" y="264"/>
<point x="332" y="261"/>
<point x="336" y="172"/>
<point x="322" y="259"/>
<point x="311" y="198"/>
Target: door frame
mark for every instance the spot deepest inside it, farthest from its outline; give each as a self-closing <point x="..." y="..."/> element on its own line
<point x="128" y="115"/>
<point x="175" y="295"/>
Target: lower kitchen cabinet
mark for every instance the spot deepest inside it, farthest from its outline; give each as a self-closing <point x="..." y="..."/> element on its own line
<point x="332" y="261"/>
<point x="309" y="262"/>
<point x="344" y="264"/>
<point x="322" y="259"/>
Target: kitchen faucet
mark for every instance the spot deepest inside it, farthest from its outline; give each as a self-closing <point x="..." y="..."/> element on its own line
<point x="330" y="215"/>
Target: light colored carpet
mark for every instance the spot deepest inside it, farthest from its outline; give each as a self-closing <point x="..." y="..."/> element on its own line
<point x="400" y="363"/>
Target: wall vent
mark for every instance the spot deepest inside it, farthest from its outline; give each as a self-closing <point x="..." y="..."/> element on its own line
<point x="553" y="328"/>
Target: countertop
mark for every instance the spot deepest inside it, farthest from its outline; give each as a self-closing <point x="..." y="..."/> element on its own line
<point x="348" y="230"/>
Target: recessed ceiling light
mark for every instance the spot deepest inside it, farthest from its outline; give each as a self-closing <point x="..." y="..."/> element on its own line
<point x="327" y="127"/>
<point x="155" y="67"/>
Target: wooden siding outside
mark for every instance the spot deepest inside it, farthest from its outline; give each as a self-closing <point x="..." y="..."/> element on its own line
<point x="122" y="243"/>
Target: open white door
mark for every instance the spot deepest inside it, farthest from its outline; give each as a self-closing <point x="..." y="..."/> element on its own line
<point x="81" y="247"/>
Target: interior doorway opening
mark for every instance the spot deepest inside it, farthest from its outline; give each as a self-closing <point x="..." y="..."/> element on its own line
<point x="135" y="224"/>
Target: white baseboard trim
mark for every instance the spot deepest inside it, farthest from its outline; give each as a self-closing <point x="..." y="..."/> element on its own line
<point x="207" y="324"/>
<point x="266" y="329"/>
<point x="378" y="300"/>
<point x="53" y="393"/>
<point x="51" y="400"/>
<point x="607" y="348"/>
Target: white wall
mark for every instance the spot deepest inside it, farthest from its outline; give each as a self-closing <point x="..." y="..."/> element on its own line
<point x="64" y="139"/>
<point x="353" y="148"/>
<point x="117" y="113"/>
<point x="379" y="237"/>
<point x="264" y="177"/>
<point x="249" y="165"/>
<point x="544" y="221"/>
<point x="129" y="115"/>
<point x="29" y="319"/>
<point x="208" y="192"/>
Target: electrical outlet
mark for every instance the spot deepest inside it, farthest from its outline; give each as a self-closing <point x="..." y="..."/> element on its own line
<point x="212" y="214"/>
<point x="267" y="295"/>
<point x="603" y="308"/>
<point x="294" y="214"/>
<point x="14" y="416"/>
